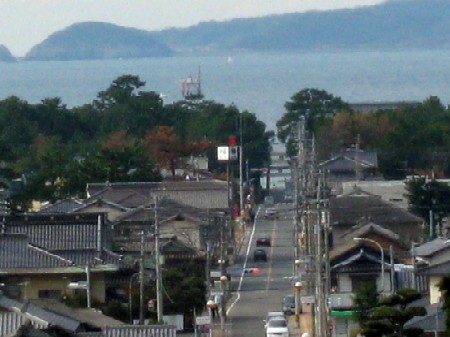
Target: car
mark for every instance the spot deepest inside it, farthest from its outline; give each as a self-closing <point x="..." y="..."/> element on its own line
<point x="264" y="241"/>
<point x="259" y="255"/>
<point x="289" y="305"/>
<point x="277" y="327"/>
<point x="274" y="314"/>
<point x="269" y="200"/>
<point x="271" y="213"/>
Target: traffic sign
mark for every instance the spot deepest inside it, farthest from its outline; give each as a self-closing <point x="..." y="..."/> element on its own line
<point x="202" y="320"/>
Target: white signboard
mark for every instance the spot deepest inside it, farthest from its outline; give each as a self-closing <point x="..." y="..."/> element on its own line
<point x="223" y="153"/>
<point x="202" y="320"/>
<point x="307" y="299"/>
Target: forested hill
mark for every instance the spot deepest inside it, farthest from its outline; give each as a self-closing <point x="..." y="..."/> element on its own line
<point x="98" y="40"/>
<point x="393" y="25"/>
<point x="5" y="54"/>
<point x="396" y="24"/>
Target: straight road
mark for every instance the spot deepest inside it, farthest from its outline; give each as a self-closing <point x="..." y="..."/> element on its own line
<point x="256" y="295"/>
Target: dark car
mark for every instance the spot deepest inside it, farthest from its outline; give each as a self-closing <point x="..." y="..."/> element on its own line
<point x="289" y="305"/>
<point x="263" y="241"/>
<point x="259" y="255"/>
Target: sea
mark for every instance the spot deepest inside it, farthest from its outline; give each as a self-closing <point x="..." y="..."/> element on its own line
<point x="260" y="83"/>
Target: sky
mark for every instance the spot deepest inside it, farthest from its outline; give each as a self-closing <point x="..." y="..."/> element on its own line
<point x="25" y="23"/>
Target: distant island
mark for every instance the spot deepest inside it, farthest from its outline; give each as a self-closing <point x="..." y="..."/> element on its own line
<point x="5" y="54"/>
<point x="393" y="25"/>
<point x="97" y="40"/>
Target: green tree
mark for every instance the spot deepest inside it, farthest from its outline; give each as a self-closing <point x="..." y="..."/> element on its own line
<point x="393" y="311"/>
<point x="427" y="197"/>
<point x="365" y="300"/>
<point x="314" y="105"/>
<point x="444" y="287"/>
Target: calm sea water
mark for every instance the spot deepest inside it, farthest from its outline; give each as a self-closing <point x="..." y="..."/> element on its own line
<point x="260" y="83"/>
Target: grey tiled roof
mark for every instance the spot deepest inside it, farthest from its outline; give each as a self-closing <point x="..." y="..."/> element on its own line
<point x="124" y="197"/>
<point x="39" y="315"/>
<point x="201" y="194"/>
<point x="371" y="228"/>
<point x="61" y="206"/>
<point x="16" y="252"/>
<point x="10" y="322"/>
<point x="368" y="157"/>
<point x="140" y="331"/>
<point x="436" y="269"/>
<point x="351" y="208"/>
<point x="60" y="231"/>
<point x="431" y="247"/>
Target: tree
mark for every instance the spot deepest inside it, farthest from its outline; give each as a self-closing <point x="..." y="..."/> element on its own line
<point x="314" y="105"/>
<point x="429" y="197"/>
<point x="389" y="318"/>
<point x="365" y="300"/>
<point x="444" y="287"/>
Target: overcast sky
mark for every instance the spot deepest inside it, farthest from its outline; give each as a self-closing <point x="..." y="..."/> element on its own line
<point x="24" y="23"/>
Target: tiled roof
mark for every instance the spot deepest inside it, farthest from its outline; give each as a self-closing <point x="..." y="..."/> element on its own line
<point x="17" y="253"/>
<point x="124" y="197"/>
<point x="436" y="269"/>
<point x="369" y="157"/>
<point x="371" y="228"/>
<point x="140" y="331"/>
<point x="61" y="206"/>
<point x="60" y="231"/>
<point x="351" y="209"/>
<point x="36" y="314"/>
<point x="200" y="194"/>
<point x="87" y="316"/>
<point x="431" y="247"/>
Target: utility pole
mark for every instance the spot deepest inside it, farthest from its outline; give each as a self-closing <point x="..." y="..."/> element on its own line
<point x="241" y="164"/>
<point x="357" y="164"/>
<point x="141" y="281"/>
<point x="159" y="297"/>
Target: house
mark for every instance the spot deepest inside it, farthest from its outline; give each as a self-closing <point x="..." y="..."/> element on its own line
<point x="77" y="240"/>
<point x="367" y="254"/>
<point x="22" y="265"/>
<point x="350" y="165"/>
<point x="436" y="254"/>
<point x="209" y="195"/>
<point x="357" y="208"/>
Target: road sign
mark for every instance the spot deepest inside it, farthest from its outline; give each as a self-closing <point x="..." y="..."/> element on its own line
<point x="307" y="299"/>
<point x="202" y="320"/>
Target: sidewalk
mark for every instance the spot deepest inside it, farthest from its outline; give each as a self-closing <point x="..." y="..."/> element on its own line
<point x="304" y="325"/>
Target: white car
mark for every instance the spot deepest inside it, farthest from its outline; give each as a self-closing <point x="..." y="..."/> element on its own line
<point x="277" y="327"/>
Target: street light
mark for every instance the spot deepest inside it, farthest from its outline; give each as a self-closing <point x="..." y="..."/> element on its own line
<point x="382" y="259"/>
<point x="298" y="286"/>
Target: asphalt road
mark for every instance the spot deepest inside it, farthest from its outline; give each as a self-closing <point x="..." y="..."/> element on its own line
<point x="255" y="295"/>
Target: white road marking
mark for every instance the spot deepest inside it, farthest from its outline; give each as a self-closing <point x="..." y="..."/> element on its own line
<point x="245" y="263"/>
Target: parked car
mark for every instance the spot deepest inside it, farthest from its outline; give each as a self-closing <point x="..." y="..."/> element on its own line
<point x="259" y="255"/>
<point x="277" y="327"/>
<point x="264" y="241"/>
<point x="273" y="314"/>
<point x="271" y="213"/>
<point x="289" y="305"/>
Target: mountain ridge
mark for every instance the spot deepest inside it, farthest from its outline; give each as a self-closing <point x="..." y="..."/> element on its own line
<point x="392" y="25"/>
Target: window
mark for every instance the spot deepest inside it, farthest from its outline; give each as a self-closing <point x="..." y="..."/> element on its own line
<point x="50" y="294"/>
